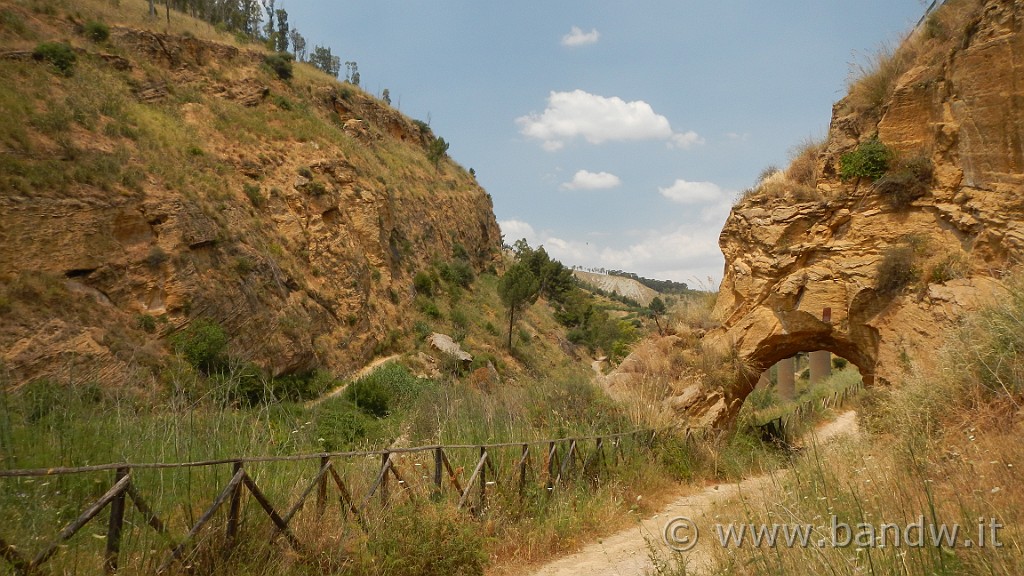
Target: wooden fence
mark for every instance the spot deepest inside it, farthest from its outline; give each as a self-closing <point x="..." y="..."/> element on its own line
<point x="545" y="465"/>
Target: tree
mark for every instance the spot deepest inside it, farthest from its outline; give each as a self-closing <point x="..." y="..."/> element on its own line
<point x="281" y="37"/>
<point x="298" y="45"/>
<point x="656" y="309"/>
<point x="437" y="150"/>
<point x="352" y="72"/>
<point x="518" y="288"/>
<point x="325" y="61"/>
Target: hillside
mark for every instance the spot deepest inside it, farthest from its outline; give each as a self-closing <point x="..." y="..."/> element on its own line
<point x="165" y="178"/>
<point x="625" y="287"/>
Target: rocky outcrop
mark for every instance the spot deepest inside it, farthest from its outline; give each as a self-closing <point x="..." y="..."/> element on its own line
<point x="958" y="104"/>
<point x="294" y="214"/>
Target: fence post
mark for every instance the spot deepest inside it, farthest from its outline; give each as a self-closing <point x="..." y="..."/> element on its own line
<point x="236" y="505"/>
<point x="552" y="455"/>
<point x="321" y="492"/>
<point x="438" y="464"/>
<point x="115" y="525"/>
<point x="483" y="480"/>
<point x="384" y="462"/>
<point x="522" y="469"/>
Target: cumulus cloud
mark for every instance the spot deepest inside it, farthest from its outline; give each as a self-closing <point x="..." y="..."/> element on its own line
<point x="584" y="180"/>
<point x="577" y="37"/>
<point x="513" y="230"/>
<point x="599" y="119"/>
<point x="685" y="192"/>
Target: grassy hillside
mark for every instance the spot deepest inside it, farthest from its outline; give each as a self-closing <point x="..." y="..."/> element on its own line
<point x="156" y="177"/>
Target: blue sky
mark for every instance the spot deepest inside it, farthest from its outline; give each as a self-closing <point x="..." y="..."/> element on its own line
<point x="614" y="134"/>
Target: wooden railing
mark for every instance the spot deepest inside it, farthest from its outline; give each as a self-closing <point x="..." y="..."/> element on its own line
<point x="558" y="462"/>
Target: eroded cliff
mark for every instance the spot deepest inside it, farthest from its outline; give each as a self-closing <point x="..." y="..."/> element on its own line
<point x="896" y="257"/>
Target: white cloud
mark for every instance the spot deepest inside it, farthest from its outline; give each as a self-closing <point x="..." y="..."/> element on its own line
<point x="685" y="192"/>
<point x="598" y="119"/>
<point x="686" y="140"/>
<point x="513" y="230"/>
<point x="687" y="253"/>
<point x="584" y="180"/>
<point x="577" y="37"/>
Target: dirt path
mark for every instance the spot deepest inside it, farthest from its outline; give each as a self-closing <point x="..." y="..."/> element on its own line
<point x="377" y="362"/>
<point x="626" y="553"/>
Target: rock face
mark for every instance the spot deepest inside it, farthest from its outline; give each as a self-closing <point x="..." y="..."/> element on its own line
<point x="295" y="214"/>
<point x="957" y="104"/>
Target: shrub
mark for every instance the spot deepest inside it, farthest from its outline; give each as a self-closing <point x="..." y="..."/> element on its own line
<point x="870" y="160"/>
<point x="906" y="182"/>
<point x="201" y="344"/>
<point x="61" y="55"/>
<point x="280" y="63"/>
<point x="896" y="270"/>
<point x="386" y="388"/>
<point x="156" y="257"/>
<point x="146" y="322"/>
<point x="303" y="386"/>
<point x="457" y="273"/>
<point x="97" y="31"/>
<point x="423" y="283"/>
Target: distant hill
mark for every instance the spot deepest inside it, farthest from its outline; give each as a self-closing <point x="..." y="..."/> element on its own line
<point x="627" y="287"/>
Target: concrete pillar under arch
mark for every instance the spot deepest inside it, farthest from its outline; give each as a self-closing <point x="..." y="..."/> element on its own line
<point x="821" y="366"/>
<point x="764" y="381"/>
<point x="786" y="385"/>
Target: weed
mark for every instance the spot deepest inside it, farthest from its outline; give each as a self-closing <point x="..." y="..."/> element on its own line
<point x="907" y="181"/>
<point x="896" y="269"/>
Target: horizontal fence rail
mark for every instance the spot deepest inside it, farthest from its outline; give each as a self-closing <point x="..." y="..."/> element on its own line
<point x="514" y="466"/>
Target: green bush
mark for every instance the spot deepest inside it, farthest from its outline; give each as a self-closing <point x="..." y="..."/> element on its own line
<point x="457" y="273"/>
<point x="280" y="63"/>
<point x="389" y="387"/>
<point x="870" y="160"/>
<point x="423" y="283"/>
<point x="61" y="55"/>
<point x="146" y="322"/>
<point x="896" y="270"/>
<point x="202" y="344"/>
<point x="97" y="31"/>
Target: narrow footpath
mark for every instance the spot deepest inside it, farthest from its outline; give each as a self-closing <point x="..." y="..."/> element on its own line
<point x="627" y="552"/>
